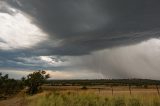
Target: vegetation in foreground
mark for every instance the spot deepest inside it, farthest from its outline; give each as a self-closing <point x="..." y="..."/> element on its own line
<point x="33" y="81"/>
<point x="60" y="97"/>
<point x="71" y="98"/>
<point x="9" y="86"/>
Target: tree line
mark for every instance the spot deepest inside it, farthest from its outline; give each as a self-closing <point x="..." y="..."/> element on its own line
<point x="107" y="82"/>
<point x="31" y="83"/>
<point x="9" y="86"/>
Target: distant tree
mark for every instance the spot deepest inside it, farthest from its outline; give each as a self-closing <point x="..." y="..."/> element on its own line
<point x="34" y="80"/>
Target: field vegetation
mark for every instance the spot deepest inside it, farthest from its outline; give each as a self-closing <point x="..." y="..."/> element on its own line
<point x="94" y="98"/>
<point x="36" y="90"/>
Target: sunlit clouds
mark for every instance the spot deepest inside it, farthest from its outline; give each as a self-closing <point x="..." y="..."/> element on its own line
<point x="18" y="32"/>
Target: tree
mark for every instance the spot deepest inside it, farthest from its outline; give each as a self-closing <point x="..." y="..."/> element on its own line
<point x="34" y="80"/>
<point x="9" y="86"/>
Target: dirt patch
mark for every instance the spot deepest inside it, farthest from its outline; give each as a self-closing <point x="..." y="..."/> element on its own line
<point x="17" y="100"/>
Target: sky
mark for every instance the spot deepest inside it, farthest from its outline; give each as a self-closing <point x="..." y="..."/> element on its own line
<point x="80" y="39"/>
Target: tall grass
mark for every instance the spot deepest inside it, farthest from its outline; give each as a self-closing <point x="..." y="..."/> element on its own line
<point x="70" y="98"/>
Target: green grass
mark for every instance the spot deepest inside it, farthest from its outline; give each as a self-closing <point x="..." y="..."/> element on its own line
<point x="70" y="98"/>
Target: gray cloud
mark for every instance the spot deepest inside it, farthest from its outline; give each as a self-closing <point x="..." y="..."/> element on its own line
<point x="92" y="25"/>
<point x="132" y="61"/>
<point x="80" y="28"/>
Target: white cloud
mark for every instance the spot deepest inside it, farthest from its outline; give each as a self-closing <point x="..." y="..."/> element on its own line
<point x="44" y="61"/>
<point x="50" y="60"/>
<point x="17" y="31"/>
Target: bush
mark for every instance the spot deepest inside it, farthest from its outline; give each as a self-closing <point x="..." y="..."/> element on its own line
<point x="84" y="88"/>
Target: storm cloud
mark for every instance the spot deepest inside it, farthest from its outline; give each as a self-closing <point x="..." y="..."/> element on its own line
<point x="64" y="30"/>
<point x="83" y="26"/>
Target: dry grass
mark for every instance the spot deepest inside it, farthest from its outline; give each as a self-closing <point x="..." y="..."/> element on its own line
<point x="73" y="96"/>
<point x="94" y="97"/>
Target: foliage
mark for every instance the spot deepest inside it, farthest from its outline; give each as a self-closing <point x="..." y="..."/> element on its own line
<point x="9" y="86"/>
<point x="34" y="80"/>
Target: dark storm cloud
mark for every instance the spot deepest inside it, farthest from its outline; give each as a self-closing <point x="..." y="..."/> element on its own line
<point x="81" y="27"/>
<point x="89" y="25"/>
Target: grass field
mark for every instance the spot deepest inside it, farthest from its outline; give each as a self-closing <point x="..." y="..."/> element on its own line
<point x="73" y="96"/>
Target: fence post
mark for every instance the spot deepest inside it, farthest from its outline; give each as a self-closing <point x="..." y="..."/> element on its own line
<point x="157" y="89"/>
<point x="99" y="89"/>
<point x="112" y="89"/>
<point x="130" y="89"/>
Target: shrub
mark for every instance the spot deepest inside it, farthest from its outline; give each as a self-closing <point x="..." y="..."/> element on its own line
<point x="84" y="88"/>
